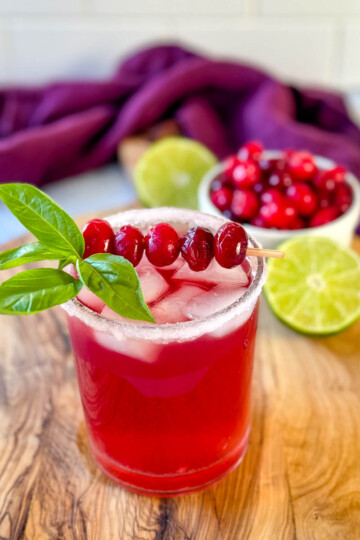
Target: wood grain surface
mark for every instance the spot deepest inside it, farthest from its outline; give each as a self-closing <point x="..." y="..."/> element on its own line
<point x="300" y="478"/>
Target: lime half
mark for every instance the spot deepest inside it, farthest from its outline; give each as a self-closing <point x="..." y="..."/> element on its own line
<point x="168" y="174"/>
<point x="315" y="289"/>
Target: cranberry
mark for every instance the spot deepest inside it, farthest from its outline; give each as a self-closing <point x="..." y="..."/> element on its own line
<point x="259" y="187"/>
<point x="271" y="165"/>
<point x="338" y="173"/>
<point x="98" y="236"/>
<point x="343" y="197"/>
<point x="244" y="204"/>
<point x="162" y="245"/>
<point x="230" y="164"/>
<point x="303" y="198"/>
<point x="324" y="199"/>
<point x="230" y="245"/>
<point x="273" y="212"/>
<point x="220" y="181"/>
<point x="221" y="198"/>
<point x="324" y="182"/>
<point x="246" y="174"/>
<point x="258" y="221"/>
<point x="197" y="248"/>
<point x="280" y="179"/>
<point x="323" y="216"/>
<point x="272" y="195"/>
<point x="301" y="166"/>
<point x="289" y="217"/>
<point x="297" y="223"/>
<point x="328" y="180"/>
<point x="129" y="243"/>
<point x="251" y="150"/>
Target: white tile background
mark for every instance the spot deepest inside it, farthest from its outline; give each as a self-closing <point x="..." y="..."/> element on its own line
<point x="312" y="41"/>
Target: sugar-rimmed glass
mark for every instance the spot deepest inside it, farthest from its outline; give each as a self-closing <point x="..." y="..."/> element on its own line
<point x="167" y="406"/>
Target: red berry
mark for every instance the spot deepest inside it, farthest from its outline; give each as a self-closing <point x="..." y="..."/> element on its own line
<point x="259" y="187"/>
<point x="258" y="221"/>
<point x="297" y="223"/>
<point x="230" y="245"/>
<point x="162" y="245"/>
<point x="343" y="197"/>
<point x="324" y="183"/>
<point x="221" y="198"/>
<point x="98" y="236"/>
<point x="244" y="204"/>
<point x="301" y="166"/>
<point x="328" y="180"/>
<point x="280" y="180"/>
<point x="246" y="174"/>
<point x="197" y="248"/>
<point x="229" y="166"/>
<point x="338" y="173"/>
<point x="269" y="166"/>
<point x="220" y="181"/>
<point x="324" y="199"/>
<point x="273" y="212"/>
<point x="303" y="198"/>
<point x="129" y="243"/>
<point x="251" y="150"/>
<point x="323" y="216"/>
<point x="290" y="216"/>
<point x="272" y="195"/>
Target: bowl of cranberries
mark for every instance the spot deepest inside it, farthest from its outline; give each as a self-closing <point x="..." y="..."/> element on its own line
<point x="280" y="194"/>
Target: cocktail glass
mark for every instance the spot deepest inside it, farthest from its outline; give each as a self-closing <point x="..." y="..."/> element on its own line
<point x="167" y="407"/>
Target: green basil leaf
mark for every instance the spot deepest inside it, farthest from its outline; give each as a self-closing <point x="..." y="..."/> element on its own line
<point x="25" y="254"/>
<point x="49" y="223"/>
<point x="114" y="279"/>
<point x="32" y="291"/>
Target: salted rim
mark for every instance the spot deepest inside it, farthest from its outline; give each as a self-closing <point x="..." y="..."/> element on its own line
<point x="181" y="331"/>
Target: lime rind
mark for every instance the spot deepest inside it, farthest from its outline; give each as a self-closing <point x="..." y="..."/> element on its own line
<point x="315" y="289"/>
<point x="169" y="172"/>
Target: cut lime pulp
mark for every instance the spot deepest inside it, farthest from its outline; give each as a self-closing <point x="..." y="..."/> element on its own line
<point x="315" y="289"/>
<point x="168" y="174"/>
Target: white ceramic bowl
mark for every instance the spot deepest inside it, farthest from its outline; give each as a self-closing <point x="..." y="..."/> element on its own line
<point x="341" y="229"/>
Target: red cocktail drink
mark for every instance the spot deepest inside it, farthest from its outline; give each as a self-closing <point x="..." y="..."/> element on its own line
<point x="167" y="406"/>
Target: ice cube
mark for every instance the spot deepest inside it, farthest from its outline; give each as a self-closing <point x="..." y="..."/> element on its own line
<point x="143" y="350"/>
<point x="174" y="307"/>
<point x="212" y="301"/>
<point x="90" y="300"/>
<point x="214" y="274"/>
<point x="153" y="285"/>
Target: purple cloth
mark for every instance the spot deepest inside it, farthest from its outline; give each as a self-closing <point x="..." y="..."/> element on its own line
<point x="67" y="128"/>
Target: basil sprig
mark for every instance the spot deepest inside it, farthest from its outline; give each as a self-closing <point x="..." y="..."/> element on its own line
<point x="110" y="277"/>
<point x="25" y="254"/>
<point x="113" y="279"/>
<point x="32" y="291"/>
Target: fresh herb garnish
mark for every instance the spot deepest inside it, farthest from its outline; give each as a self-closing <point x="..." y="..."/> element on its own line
<point x="32" y="291"/>
<point x="112" y="278"/>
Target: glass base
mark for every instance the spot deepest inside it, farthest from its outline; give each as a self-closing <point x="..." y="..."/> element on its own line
<point x="170" y="485"/>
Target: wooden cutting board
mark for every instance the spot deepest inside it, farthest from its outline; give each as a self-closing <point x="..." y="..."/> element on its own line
<point x="300" y="477"/>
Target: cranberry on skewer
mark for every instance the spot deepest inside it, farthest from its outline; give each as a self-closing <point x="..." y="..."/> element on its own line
<point x="98" y="236"/>
<point x="130" y="244"/>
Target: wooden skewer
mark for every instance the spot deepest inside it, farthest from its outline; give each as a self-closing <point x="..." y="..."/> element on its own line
<point x="257" y="252"/>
